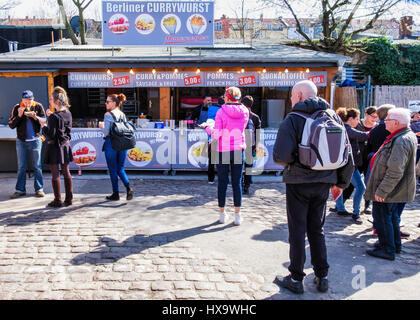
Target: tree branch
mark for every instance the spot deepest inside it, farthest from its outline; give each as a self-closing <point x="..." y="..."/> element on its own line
<point x="299" y="27"/>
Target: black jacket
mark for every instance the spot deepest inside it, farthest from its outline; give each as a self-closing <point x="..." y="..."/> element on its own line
<point x="356" y="137"/>
<point x="257" y="126"/>
<point x="285" y="150"/>
<point x="377" y="136"/>
<point x="20" y="122"/>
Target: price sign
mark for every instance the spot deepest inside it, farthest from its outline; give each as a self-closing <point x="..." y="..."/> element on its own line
<point x="244" y="81"/>
<point x="191" y="81"/>
<point x="319" y="79"/>
<point x="121" y="81"/>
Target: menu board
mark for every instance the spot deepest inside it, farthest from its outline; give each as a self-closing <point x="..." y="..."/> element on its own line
<point x="192" y="79"/>
<point x="158" y="23"/>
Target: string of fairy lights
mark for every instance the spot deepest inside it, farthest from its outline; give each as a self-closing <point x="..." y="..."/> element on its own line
<point x="197" y="71"/>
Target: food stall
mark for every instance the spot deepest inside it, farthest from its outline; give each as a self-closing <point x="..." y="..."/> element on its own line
<point x="161" y="83"/>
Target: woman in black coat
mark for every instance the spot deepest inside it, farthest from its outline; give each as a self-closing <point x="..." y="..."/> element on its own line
<point x="350" y="118"/>
<point x="59" y="153"/>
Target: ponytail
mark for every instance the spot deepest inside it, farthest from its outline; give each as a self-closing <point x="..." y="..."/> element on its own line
<point x="346" y="113"/>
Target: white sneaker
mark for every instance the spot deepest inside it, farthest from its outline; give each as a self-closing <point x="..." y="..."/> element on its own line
<point x="238" y="219"/>
<point x="211" y="182"/>
<point x="223" y="217"/>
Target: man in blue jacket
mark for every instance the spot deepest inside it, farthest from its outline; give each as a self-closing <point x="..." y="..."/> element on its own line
<point x="307" y="191"/>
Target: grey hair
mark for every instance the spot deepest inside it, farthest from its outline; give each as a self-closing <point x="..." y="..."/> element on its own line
<point x="402" y="115"/>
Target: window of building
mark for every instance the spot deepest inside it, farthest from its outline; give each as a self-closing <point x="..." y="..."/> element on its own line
<point x="218" y="26"/>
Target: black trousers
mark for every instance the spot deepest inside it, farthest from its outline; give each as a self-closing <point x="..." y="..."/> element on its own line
<point x="306" y="204"/>
<point x="211" y="171"/>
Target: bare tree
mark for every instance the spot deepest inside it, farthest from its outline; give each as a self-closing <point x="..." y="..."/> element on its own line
<point x="81" y="6"/>
<point x="6" y="5"/>
<point x="67" y="23"/>
<point x="335" y="17"/>
<point x="244" y="22"/>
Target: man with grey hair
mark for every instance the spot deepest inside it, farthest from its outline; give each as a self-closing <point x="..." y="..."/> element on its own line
<point x="307" y="190"/>
<point x="392" y="182"/>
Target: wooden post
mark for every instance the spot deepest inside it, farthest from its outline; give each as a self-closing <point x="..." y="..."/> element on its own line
<point x="52" y="38"/>
<point x="165" y="103"/>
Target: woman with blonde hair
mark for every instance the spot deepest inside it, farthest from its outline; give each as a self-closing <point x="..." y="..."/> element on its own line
<point x="57" y="132"/>
<point x="229" y="130"/>
<point x="115" y="160"/>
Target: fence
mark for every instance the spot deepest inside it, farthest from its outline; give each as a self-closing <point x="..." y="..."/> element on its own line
<point x="396" y="95"/>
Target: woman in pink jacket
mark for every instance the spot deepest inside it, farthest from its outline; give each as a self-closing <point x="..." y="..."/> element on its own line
<point x="229" y="132"/>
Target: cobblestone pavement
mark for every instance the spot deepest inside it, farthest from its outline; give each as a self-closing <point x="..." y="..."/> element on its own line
<point x="166" y="244"/>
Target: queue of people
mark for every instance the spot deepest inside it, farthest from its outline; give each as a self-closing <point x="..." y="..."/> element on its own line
<point x="347" y="148"/>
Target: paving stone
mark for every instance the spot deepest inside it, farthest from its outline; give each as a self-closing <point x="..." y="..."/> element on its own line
<point x="183" y="285"/>
<point x="232" y="277"/>
<point x="163" y="295"/>
<point x="161" y="285"/>
<point x="215" y="277"/>
<point x="135" y="296"/>
<point x="173" y="276"/>
<point x="120" y="286"/>
<point x="222" y="286"/>
<point x="204" y="286"/>
<point x="106" y="276"/>
<point x="186" y="294"/>
<point x="141" y="285"/>
<point x="205" y="294"/>
<point x="26" y="296"/>
<point x="152" y="276"/>
<point x="195" y="277"/>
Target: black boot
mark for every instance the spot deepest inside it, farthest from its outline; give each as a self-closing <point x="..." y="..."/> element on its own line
<point x="114" y="197"/>
<point x="68" y="184"/>
<point x="130" y="192"/>
<point x="56" y="203"/>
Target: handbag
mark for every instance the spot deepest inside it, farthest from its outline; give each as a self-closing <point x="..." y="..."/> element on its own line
<point x="122" y="134"/>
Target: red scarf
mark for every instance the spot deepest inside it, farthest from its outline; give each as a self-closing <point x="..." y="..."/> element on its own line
<point x="387" y="140"/>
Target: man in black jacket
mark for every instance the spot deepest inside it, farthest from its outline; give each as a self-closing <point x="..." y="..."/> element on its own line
<point x="25" y="118"/>
<point x="307" y="191"/>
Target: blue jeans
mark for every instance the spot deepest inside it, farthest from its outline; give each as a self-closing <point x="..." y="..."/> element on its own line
<point x="226" y="161"/>
<point x="359" y="190"/>
<point x="115" y="161"/>
<point x="31" y="149"/>
<point x="387" y="217"/>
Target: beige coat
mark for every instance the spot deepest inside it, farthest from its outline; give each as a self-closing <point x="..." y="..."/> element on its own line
<point x="393" y="175"/>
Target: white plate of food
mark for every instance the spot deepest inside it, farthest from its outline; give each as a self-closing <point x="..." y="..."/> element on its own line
<point x="194" y="154"/>
<point x="145" y="24"/>
<point x="141" y="155"/>
<point x="118" y="24"/>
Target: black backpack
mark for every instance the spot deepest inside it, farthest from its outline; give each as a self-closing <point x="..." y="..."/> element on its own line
<point x="122" y="134"/>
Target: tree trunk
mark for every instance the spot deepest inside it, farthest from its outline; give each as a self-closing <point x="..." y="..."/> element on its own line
<point x="66" y="23"/>
<point x="82" y="26"/>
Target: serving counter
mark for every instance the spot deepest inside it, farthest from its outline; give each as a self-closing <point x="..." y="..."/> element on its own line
<point x="156" y="149"/>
